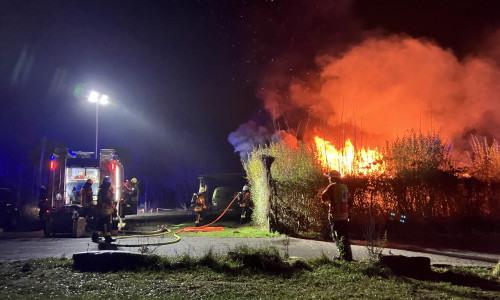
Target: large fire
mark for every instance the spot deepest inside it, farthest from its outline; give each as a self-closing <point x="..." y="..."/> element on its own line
<point x="348" y="160"/>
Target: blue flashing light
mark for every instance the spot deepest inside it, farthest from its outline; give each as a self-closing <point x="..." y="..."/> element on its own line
<point x="71" y="153"/>
<point x="52" y="157"/>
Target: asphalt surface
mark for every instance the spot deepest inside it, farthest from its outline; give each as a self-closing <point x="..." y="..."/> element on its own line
<point x="28" y="245"/>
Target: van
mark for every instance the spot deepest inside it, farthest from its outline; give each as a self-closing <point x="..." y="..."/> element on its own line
<point x="223" y="196"/>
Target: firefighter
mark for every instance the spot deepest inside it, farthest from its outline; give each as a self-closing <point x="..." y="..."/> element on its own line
<point x="135" y="186"/>
<point x="105" y="209"/>
<point x="43" y="204"/>
<point x="200" y="206"/>
<point x="127" y="192"/>
<point x="336" y="194"/>
<point x="86" y="198"/>
<point x="246" y="204"/>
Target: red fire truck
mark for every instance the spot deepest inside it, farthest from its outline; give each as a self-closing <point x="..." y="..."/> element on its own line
<point x="69" y="170"/>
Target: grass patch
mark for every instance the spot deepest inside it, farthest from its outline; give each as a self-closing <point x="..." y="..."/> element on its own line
<point x="242" y="274"/>
<point x="232" y="230"/>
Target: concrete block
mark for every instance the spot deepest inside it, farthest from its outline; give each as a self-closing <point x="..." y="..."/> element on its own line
<point x="417" y="267"/>
<point x="107" y="260"/>
<point x="79" y="227"/>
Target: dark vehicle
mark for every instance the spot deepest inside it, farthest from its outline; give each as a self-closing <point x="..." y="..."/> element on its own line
<point x="9" y="213"/>
<point x="223" y="196"/>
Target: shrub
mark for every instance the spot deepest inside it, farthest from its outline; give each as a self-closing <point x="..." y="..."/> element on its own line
<point x="259" y="188"/>
<point x="485" y="160"/>
<point x="416" y="155"/>
<point x="496" y="269"/>
<point x="297" y="179"/>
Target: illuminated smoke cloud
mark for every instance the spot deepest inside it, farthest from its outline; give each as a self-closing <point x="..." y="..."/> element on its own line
<point x="248" y="136"/>
<point x="288" y="138"/>
<point x="383" y="87"/>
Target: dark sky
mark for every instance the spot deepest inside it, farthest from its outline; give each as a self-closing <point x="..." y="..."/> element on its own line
<point x="184" y="74"/>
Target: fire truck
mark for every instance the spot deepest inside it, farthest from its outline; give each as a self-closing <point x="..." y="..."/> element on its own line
<point x="69" y="170"/>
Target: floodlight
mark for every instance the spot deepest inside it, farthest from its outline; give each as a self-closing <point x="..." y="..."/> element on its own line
<point x="93" y="96"/>
<point x="104" y="100"/>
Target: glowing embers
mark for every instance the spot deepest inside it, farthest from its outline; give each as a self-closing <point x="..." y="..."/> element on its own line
<point x="348" y="160"/>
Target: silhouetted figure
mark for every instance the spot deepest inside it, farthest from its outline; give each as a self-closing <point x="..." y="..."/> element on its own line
<point x="43" y="204"/>
<point x="86" y="198"/>
<point x="104" y="211"/>
<point x="128" y="192"/>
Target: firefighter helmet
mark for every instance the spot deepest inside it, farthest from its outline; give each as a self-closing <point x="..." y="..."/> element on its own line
<point x="134" y="180"/>
<point x="246" y="188"/>
<point x="202" y="189"/>
<point x="333" y="174"/>
<point x="106" y="179"/>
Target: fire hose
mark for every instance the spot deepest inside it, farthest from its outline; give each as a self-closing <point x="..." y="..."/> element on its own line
<point x="163" y="230"/>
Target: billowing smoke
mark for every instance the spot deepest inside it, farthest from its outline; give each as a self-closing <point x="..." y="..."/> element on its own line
<point x="344" y="82"/>
<point x="383" y="87"/>
<point x="248" y="136"/>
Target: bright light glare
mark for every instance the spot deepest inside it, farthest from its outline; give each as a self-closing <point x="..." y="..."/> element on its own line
<point x="104" y="100"/>
<point x="93" y="96"/>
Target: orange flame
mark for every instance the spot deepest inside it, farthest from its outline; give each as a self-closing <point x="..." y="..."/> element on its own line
<point x="349" y="161"/>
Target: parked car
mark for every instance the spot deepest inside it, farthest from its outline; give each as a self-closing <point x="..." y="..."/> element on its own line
<point x="223" y="196"/>
<point x="9" y="212"/>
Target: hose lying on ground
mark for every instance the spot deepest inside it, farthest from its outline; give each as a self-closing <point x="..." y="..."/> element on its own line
<point x="206" y="227"/>
<point x="163" y="230"/>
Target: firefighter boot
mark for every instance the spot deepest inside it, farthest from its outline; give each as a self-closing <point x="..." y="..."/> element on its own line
<point x="95" y="237"/>
<point x="198" y="221"/>
<point x="243" y="217"/>
<point x="108" y="239"/>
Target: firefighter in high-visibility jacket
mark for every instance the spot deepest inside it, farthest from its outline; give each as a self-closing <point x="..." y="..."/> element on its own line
<point x="246" y="204"/>
<point x="200" y="206"/>
<point x="336" y="194"/>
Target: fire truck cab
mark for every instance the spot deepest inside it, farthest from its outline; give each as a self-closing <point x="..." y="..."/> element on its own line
<point x="69" y="170"/>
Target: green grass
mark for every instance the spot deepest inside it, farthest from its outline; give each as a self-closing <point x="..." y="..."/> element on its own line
<point x="243" y="274"/>
<point x="231" y="230"/>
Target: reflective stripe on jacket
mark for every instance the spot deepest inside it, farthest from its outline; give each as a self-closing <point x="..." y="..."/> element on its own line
<point x="336" y="195"/>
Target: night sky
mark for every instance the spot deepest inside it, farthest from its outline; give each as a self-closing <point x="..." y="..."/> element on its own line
<point x="183" y="75"/>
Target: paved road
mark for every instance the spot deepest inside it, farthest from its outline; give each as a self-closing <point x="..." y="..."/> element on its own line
<point x="32" y="244"/>
<point x="21" y="246"/>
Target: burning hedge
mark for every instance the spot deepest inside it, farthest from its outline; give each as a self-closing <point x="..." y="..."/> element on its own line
<point x="415" y="177"/>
